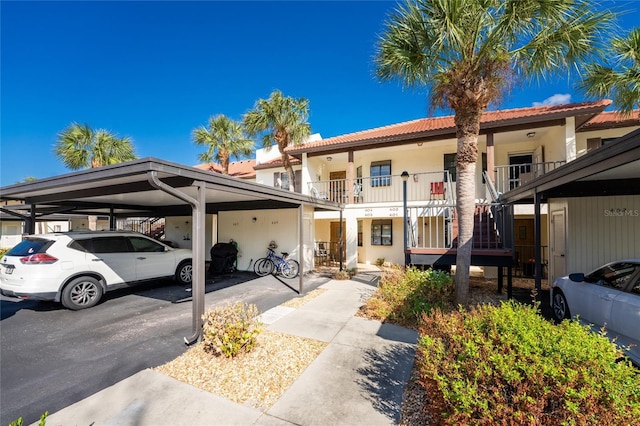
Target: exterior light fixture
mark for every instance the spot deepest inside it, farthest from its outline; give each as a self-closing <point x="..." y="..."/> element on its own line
<point x="531" y="134"/>
<point x="405" y="176"/>
<point x="329" y="158"/>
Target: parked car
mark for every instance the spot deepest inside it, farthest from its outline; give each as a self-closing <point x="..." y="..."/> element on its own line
<point x="77" y="268"/>
<point x="608" y="296"/>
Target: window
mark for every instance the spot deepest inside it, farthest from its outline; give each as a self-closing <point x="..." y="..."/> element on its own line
<point x="616" y="275"/>
<point x="594" y="143"/>
<point x="450" y="166"/>
<point x="281" y="180"/>
<point x="360" y="234"/>
<point x="381" y="233"/>
<point x="381" y="173"/>
<point x="109" y="245"/>
<point x="145" y="245"/>
<point x="484" y="166"/>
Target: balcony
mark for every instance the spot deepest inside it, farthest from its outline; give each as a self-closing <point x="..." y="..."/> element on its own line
<point x="382" y="189"/>
<point x="513" y="176"/>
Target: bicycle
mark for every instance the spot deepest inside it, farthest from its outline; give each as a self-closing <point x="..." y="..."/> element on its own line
<point x="288" y="268"/>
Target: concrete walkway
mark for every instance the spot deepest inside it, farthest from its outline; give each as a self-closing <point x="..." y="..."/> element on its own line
<point x="358" y="379"/>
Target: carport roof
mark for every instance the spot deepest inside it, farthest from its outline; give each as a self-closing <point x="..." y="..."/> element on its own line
<point x="613" y="169"/>
<point x="126" y="189"/>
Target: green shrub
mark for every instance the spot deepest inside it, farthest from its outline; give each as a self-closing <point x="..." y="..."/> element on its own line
<point x="507" y="365"/>
<point x="403" y="295"/>
<point x="231" y="329"/>
<point x="380" y="261"/>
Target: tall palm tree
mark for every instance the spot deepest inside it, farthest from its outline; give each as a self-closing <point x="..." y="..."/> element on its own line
<point x="79" y="146"/>
<point x="224" y="138"/>
<point x="620" y="79"/>
<point x="467" y="53"/>
<point x="282" y="120"/>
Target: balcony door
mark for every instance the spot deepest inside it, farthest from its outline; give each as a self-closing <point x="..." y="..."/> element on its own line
<point x="519" y="169"/>
<point x="337" y="185"/>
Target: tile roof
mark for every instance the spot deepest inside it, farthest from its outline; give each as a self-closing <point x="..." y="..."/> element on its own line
<point x="612" y="119"/>
<point x="444" y="127"/>
<point x="241" y="169"/>
<point x="277" y="162"/>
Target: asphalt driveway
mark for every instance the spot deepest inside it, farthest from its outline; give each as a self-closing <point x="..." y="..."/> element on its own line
<point x="51" y="357"/>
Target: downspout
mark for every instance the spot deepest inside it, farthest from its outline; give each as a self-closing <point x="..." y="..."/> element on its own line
<point x="198" y="206"/>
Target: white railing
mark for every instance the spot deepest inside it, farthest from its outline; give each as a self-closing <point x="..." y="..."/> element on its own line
<point x="511" y="177"/>
<point x="433" y="226"/>
<point x="381" y="189"/>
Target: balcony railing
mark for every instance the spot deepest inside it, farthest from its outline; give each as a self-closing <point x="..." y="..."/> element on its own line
<point x="513" y="176"/>
<point x="380" y="189"/>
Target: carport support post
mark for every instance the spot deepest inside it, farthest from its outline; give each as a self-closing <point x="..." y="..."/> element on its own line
<point x="301" y="245"/>
<point x="538" y="245"/>
<point x="198" y="251"/>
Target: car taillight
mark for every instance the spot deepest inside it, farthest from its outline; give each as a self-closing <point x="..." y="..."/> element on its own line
<point x="38" y="259"/>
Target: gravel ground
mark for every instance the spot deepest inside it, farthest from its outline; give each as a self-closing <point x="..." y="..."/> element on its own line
<point x="254" y="379"/>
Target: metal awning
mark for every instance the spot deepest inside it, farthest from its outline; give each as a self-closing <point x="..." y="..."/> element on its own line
<point x="155" y="187"/>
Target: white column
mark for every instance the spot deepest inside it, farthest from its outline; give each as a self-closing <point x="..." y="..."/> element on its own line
<point x="305" y="175"/>
<point x="570" y="139"/>
<point x="351" y="239"/>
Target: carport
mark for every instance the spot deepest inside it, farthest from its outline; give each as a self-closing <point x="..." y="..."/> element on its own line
<point x="153" y="187"/>
<point x="608" y="171"/>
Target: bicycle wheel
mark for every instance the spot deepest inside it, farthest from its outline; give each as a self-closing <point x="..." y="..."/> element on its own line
<point x="263" y="267"/>
<point x="291" y="269"/>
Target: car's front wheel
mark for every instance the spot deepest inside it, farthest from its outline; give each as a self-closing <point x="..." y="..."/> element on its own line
<point x="560" y="306"/>
<point x="81" y="293"/>
<point x="184" y="273"/>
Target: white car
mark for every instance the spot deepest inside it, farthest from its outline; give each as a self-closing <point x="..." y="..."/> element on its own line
<point x="608" y="296"/>
<point x="77" y="268"/>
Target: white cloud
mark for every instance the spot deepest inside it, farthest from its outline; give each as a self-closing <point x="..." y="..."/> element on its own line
<point x="556" y="99"/>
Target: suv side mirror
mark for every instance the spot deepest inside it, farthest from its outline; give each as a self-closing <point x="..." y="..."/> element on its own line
<point x="577" y="277"/>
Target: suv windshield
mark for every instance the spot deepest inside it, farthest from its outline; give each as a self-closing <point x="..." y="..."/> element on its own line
<point x="30" y="246"/>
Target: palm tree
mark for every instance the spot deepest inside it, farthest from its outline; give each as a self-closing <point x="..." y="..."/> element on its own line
<point x="467" y="53"/>
<point x="621" y="80"/>
<point x="282" y="120"/>
<point x="224" y="138"/>
<point x="79" y="146"/>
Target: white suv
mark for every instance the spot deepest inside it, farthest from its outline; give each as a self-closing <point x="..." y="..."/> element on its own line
<point x="77" y="268"/>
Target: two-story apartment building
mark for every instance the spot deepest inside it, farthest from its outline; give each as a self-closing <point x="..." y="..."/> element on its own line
<point x="363" y="170"/>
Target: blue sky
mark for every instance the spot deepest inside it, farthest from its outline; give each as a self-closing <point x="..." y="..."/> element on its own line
<point x="156" y="70"/>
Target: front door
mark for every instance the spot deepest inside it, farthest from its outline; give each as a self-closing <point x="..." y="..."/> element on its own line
<point x="558" y="240"/>
<point x="524" y="245"/>
<point x="334" y="246"/>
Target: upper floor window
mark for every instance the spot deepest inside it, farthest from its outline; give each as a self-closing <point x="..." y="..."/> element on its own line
<point x="450" y="166"/>
<point x="381" y="173"/>
<point x="281" y="180"/>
